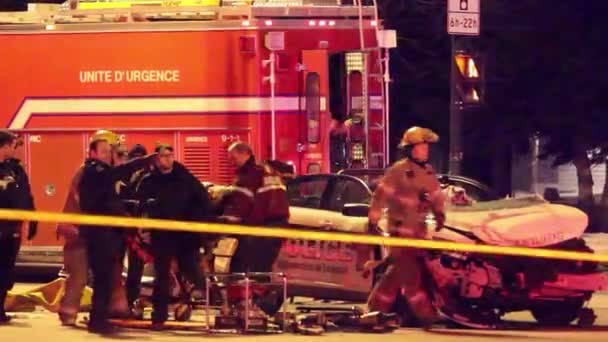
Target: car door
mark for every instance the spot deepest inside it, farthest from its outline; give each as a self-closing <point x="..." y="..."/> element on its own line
<point x="320" y="269"/>
<point x="306" y="196"/>
<point x="475" y="190"/>
<point x="346" y="190"/>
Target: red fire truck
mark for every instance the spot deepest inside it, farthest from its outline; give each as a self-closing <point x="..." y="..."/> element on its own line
<point x="198" y="74"/>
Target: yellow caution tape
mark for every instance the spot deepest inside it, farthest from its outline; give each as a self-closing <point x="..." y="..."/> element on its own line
<point x="288" y="233"/>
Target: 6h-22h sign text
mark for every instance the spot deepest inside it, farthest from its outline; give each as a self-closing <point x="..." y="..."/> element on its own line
<point x="463" y="17"/>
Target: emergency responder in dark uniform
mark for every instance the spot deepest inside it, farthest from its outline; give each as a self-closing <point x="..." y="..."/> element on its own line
<point x="258" y="197"/>
<point x="409" y="191"/>
<point x="15" y="193"/>
<point x="98" y="195"/>
<point x="180" y="196"/>
<point x="27" y="201"/>
<point x="75" y="250"/>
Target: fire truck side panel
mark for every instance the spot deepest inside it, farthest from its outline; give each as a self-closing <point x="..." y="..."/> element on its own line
<point x="291" y="79"/>
<point x="52" y="159"/>
<point x="333" y="41"/>
<point x="63" y="59"/>
<point x="143" y="80"/>
<point x="204" y="152"/>
<point x="149" y="139"/>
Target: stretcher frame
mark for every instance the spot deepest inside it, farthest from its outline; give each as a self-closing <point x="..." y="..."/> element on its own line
<point x="232" y="278"/>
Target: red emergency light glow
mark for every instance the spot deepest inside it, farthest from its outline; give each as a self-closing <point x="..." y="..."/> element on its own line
<point x="312" y="23"/>
<point x="332" y="23"/>
<point x="245" y="23"/>
<point x="374" y="23"/>
<point x="268" y="22"/>
<point x="322" y="23"/>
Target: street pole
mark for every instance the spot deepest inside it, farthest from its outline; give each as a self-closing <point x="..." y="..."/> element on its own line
<point x="455" y="154"/>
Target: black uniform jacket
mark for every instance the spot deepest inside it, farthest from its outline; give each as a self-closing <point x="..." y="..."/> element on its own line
<point x="15" y="192"/>
<point x="178" y="195"/>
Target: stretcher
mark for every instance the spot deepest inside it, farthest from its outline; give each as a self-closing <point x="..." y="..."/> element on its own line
<point x="170" y="325"/>
<point x="247" y="302"/>
<point x="232" y="303"/>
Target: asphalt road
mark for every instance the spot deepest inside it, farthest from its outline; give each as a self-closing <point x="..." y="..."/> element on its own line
<point x="42" y="326"/>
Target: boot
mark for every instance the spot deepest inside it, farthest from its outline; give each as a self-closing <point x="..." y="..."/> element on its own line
<point x="158" y="326"/>
<point x="102" y="328"/>
<point x="67" y="320"/>
<point x="468" y="317"/>
<point x="4" y="318"/>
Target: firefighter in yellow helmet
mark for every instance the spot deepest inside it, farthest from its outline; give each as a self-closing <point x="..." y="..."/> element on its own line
<point x="119" y="150"/>
<point x="76" y="263"/>
<point x="408" y="191"/>
<point x="109" y="136"/>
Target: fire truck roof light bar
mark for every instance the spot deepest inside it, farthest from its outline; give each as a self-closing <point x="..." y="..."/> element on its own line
<point x="60" y="25"/>
<point x="171" y="26"/>
<point x="57" y="14"/>
<point x="95" y="4"/>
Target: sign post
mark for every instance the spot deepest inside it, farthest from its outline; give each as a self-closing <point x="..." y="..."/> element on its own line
<point x="463" y="17"/>
<point x="463" y="20"/>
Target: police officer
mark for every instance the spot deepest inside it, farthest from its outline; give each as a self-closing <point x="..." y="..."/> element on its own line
<point x="409" y="191"/>
<point x="103" y="244"/>
<point x="258" y="197"/>
<point x="15" y="193"/>
<point x="98" y="195"/>
<point x="177" y="195"/>
<point x="75" y="249"/>
<point x="27" y="200"/>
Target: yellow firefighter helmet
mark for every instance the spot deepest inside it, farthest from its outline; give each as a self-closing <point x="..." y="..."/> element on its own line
<point x="109" y="136"/>
<point x="418" y="135"/>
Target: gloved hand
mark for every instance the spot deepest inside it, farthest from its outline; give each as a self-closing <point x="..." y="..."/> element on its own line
<point x="372" y="228"/>
<point x="363" y="254"/>
<point x="440" y="219"/>
<point x="146" y="236"/>
<point x="32" y="230"/>
<point x="229" y="219"/>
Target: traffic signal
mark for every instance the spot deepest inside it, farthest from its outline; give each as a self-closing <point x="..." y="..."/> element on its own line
<point x="469" y="80"/>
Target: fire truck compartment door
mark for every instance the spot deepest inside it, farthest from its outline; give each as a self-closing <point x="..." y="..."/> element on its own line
<point x="314" y="120"/>
<point x="50" y="178"/>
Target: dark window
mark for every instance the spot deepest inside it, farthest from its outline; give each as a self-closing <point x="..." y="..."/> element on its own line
<point x="474" y="192"/>
<point x="306" y="193"/>
<point x="338" y="151"/>
<point x="348" y="191"/>
<point x="337" y="86"/>
<point x="313" y="107"/>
